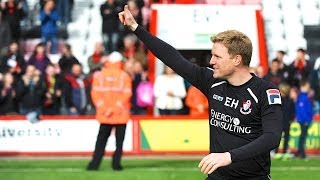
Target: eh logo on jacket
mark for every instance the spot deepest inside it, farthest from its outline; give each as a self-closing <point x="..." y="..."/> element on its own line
<point x="273" y="96"/>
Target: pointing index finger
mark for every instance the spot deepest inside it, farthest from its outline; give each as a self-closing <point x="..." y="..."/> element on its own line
<point x="126" y="8"/>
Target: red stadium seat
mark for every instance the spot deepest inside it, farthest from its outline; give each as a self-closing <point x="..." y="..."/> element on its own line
<point x="184" y="1"/>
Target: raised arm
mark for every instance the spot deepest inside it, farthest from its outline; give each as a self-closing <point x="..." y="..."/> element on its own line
<point x="162" y="50"/>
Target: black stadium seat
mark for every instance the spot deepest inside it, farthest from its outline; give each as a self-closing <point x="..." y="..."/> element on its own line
<point x="312" y="34"/>
<point x="34" y="32"/>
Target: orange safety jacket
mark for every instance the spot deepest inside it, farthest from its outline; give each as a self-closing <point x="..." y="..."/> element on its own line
<point x="111" y="93"/>
<point x="194" y="99"/>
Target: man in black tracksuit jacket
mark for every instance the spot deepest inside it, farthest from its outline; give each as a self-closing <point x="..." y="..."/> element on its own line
<point x="245" y="112"/>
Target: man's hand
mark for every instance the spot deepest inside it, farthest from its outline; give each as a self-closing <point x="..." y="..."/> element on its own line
<point x="213" y="161"/>
<point x="127" y="19"/>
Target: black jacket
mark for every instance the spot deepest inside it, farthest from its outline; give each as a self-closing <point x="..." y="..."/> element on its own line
<point x="110" y="19"/>
<point x="245" y="120"/>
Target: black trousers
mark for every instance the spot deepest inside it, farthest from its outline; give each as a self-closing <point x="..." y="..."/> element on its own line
<point x="302" y="139"/>
<point x="286" y="137"/>
<point x="103" y="135"/>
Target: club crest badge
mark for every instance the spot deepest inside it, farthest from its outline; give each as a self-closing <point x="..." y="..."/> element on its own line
<point x="246" y="107"/>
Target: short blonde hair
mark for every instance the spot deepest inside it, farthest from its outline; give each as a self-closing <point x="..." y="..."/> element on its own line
<point x="237" y="43"/>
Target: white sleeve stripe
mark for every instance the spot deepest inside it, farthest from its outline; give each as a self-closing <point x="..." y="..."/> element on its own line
<point x="210" y="68"/>
<point x="253" y="96"/>
<point x="217" y="84"/>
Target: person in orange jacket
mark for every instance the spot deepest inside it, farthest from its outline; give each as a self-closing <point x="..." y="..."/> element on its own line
<point x="197" y="102"/>
<point x="111" y="92"/>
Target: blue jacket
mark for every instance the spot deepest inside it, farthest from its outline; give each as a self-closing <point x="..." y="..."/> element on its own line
<point x="49" y="22"/>
<point x="304" y="112"/>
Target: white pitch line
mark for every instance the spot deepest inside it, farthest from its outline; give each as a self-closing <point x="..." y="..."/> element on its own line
<point x="153" y="169"/>
<point x="297" y="168"/>
<point x="2" y="170"/>
<point x="17" y="170"/>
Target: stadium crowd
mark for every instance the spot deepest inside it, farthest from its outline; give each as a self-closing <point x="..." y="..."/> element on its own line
<point x="33" y="83"/>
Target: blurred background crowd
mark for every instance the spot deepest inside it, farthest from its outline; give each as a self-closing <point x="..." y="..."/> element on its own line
<point x="39" y="70"/>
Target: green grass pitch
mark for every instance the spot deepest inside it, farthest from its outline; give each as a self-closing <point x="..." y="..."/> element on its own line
<point x="139" y="169"/>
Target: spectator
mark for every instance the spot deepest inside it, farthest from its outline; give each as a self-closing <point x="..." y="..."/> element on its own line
<point x="135" y="7"/>
<point x="49" y="28"/>
<point x="13" y="61"/>
<point x="13" y="14"/>
<point x="283" y="67"/>
<point x="304" y="115"/>
<point x="139" y="75"/>
<point x="67" y="59"/>
<point x="110" y="25"/>
<point x="31" y="91"/>
<point x="95" y="60"/>
<point x="76" y="91"/>
<point x="8" y="102"/>
<point x="25" y="8"/>
<point x="54" y="87"/>
<point x="5" y="33"/>
<point x="299" y="69"/>
<point x="169" y="90"/>
<point x="259" y="71"/>
<point x="294" y="91"/>
<point x="132" y="50"/>
<point x="288" y="107"/>
<point x="146" y="13"/>
<point x="315" y="84"/>
<point x="197" y="102"/>
<point x="274" y="74"/>
<point x="64" y="8"/>
<point x="111" y="93"/>
<point x="281" y="57"/>
<point x="39" y="58"/>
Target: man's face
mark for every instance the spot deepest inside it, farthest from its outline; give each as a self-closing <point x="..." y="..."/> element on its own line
<point x="280" y="56"/>
<point x="300" y="55"/>
<point x="50" y="5"/>
<point x="13" y="47"/>
<point x="221" y="61"/>
<point x="30" y="71"/>
<point x="76" y="70"/>
<point x="99" y="47"/>
<point x="275" y="66"/>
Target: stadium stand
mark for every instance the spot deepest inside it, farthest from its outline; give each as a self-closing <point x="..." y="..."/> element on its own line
<point x="311" y="33"/>
<point x="285" y="21"/>
<point x="85" y="30"/>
